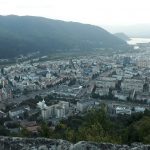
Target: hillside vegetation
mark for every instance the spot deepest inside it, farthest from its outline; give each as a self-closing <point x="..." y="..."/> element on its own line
<point x="23" y="35"/>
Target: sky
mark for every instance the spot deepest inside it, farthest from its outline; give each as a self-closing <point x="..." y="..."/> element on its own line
<point x="97" y="12"/>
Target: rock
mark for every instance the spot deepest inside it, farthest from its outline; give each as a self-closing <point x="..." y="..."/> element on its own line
<point x="16" y="143"/>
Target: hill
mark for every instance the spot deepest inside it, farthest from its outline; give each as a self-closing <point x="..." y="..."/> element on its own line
<point x="122" y="36"/>
<point x="26" y="34"/>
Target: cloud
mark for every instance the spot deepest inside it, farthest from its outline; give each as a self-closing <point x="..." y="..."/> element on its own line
<point x="88" y="11"/>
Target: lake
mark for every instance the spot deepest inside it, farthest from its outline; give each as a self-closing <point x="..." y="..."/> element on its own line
<point x="135" y="41"/>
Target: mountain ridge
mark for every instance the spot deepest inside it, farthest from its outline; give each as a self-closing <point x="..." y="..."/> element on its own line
<point x="122" y="36"/>
<point x="25" y="34"/>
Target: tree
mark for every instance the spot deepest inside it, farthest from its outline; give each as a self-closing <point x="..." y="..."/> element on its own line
<point x="1" y="86"/>
<point x="24" y="133"/>
<point x="110" y="93"/>
<point x="45" y="131"/>
<point x="2" y="71"/>
<point x="37" y="97"/>
<point x="3" y="131"/>
<point x="70" y="135"/>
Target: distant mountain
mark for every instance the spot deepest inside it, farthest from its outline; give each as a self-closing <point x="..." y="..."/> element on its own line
<point x="122" y="36"/>
<point x="133" y="31"/>
<point x="22" y="35"/>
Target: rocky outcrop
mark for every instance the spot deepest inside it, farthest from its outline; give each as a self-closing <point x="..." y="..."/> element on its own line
<point x="14" y="143"/>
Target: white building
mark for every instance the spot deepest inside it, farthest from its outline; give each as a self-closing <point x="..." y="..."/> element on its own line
<point x="121" y="96"/>
<point x="102" y="91"/>
<point x="139" y="109"/>
<point x="65" y="105"/>
<point x="58" y="110"/>
<point x="106" y="82"/>
<point x="83" y="106"/>
<point x="123" y="110"/>
<point x="47" y="112"/>
<point x="41" y="105"/>
<point x="16" y="112"/>
<point x="132" y="84"/>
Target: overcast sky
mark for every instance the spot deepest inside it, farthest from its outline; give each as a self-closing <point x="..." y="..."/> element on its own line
<point x="98" y="12"/>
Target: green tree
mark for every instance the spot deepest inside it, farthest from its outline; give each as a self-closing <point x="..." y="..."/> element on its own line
<point x="45" y="131"/>
<point x="24" y="133"/>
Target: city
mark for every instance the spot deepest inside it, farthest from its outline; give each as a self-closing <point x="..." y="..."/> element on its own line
<point x="52" y="90"/>
<point x="75" y="75"/>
